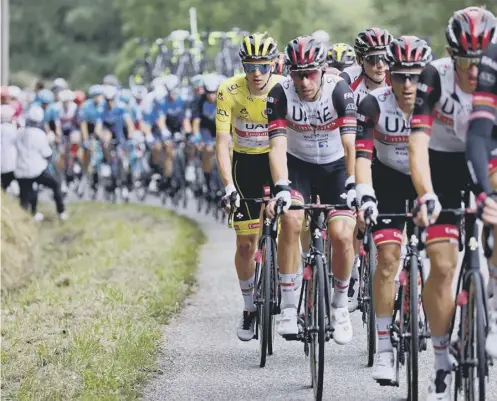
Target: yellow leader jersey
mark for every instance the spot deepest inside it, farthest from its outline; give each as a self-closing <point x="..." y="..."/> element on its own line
<point x="245" y="114"/>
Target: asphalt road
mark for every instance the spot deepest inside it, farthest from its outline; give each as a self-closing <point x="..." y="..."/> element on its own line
<point x="202" y="359"/>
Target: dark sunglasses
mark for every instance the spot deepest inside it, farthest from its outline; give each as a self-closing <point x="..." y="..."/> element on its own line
<point x="402" y="77"/>
<point x="466" y="62"/>
<point x="309" y="74"/>
<point x="251" y="67"/>
<point x="374" y="59"/>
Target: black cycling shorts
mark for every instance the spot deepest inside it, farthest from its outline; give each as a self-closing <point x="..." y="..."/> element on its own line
<point x="326" y="180"/>
<point x="395" y="193"/>
<point x="251" y="173"/>
<point x="450" y="177"/>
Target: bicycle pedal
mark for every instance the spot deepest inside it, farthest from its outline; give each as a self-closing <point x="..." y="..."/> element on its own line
<point x="291" y="337"/>
<point x="387" y="383"/>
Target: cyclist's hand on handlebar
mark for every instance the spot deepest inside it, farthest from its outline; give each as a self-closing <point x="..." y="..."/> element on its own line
<point x="368" y="210"/>
<point x="427" y="210"/>
<point x="282" y="192"/>
<point x="488" y="206"/>
<point x="230" y="198"/>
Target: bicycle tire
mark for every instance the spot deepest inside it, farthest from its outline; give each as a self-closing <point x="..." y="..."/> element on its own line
<point x="413" y="340"/>
<point x="265" y="306"/>
<point x="476" y="328"/>
<point x="371" y="316"/>
<point x="319" y="330"/>
<point x="274" y="298"/>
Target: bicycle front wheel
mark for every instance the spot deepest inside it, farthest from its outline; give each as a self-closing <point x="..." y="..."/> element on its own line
<point x="317" y="329"/>
<point x="473" y="336"/>
<point x="413" y="341"/>
<point x="369" y="268"/>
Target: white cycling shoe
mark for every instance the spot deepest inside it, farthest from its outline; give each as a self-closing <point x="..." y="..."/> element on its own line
<point x="340" y="322"/>
<point x="491" y="342"/>
<point x="384" y="367"/>
<point x="286" y="321"/>
<point x="439" y="387"/>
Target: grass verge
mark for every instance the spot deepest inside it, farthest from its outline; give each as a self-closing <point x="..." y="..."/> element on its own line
<point x="86" y="327"/>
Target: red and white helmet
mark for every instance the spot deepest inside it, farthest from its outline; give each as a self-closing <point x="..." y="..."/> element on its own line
<point x="372" y="39"/>
<point x="470" y="31"/>
<point x="408" y="52"/>
<point x="305" y="52"/>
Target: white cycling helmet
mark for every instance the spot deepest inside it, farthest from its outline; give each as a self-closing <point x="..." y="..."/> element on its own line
<point x="321" y="36"/>
<point x="171" y="82"/>
<point x="211" y="83"/>
<point x="139" y="92"/>
<point x="159" y="81"/>
<point x="36" y="114"/>
<point x="60" y="83"/>
<point x="7" y="113"/>
<point x="110" y="80"/>
<point x="14" y="92"/>
<point x="159" y="93"/>
<point x="66" y="95"/>
<point x="109" y="92"/>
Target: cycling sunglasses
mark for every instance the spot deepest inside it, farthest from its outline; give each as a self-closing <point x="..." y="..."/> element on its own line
<point x="313" y="74"/>
<point x="402" y="77"/>
<point x="252" y="67"/>
<point x="466" y="62"/>
<point x="374" y="59"/>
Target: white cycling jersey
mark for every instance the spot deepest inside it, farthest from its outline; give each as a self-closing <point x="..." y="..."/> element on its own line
<point x="350" y="74"/>
<point x="382" y="126"/>
<point x="312" y="129"/>
<point x="442" y="109"/>
<point x="67" y="115"/>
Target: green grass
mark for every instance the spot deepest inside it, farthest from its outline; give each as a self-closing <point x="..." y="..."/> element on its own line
<point x="88" y="324"/>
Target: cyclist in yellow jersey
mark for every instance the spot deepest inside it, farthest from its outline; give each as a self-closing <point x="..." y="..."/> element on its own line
<point x="241" y="118"/>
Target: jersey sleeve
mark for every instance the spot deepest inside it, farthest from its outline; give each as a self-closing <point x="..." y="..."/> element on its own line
<point x="343" y="102"/>
<point x="428" y="92"/>
<point x="482" y="121"/>
<point x="276" y="111"/>
<point x="345" y="77"/>
<point x="196" y="107"/>
<point x="223" y="110"/>
<point x="368" y="113"/>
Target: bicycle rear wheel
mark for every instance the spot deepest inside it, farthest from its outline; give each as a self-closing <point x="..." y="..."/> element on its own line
<point x="317" y="328"/>
<point x="473" y="336"/>
<point x="412" y="344"/>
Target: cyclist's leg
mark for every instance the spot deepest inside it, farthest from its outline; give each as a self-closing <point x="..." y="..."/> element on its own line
<point x="250" y="174"/>
<point x="442" y="248"/>
<point x="392" y="188"/>
<point x="329" y="181"/>
<point x="207" y="155"/>
<point x="491" y="343"/>
<point x="288" y="245"/>
<point x="155" y="159"/>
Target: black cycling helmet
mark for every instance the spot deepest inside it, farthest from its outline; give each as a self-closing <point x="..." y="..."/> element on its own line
<point x="305" y="52"/>
<point x="408" y="52"/>
<point x="372" y="39"/>
<point x="470" y="30"/>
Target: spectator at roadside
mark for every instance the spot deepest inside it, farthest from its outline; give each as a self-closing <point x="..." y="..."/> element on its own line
<point x="8" y="132"/>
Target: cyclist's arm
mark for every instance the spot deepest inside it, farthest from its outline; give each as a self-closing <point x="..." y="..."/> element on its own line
<point x="196" y="115"/>
<point x="345" y="77"/>
<point x="223" y="138"/>
<point x="343" y="102"/>
<point x="367" y="116"/>
<point x="129" y="124"/>
<point x="83" y="125"/>
<point x="276" y="112"/>
<point x="482" y="122"/>
<point x="427" y="95"/>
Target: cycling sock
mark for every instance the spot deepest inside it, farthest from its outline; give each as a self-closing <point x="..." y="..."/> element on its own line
<point x="383" y="330"/>
<point x="441" y="349"/>
<point x="287" y="284"/>
<point x="341" y="294"/>
<point x="247" y="287"/>
<point x="492" y="272"/>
